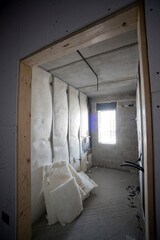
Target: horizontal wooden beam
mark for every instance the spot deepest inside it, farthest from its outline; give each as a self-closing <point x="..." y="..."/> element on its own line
<point x="105" y="29"/>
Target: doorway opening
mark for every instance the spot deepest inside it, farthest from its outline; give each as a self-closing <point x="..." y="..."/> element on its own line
<point x="100" y="31"/>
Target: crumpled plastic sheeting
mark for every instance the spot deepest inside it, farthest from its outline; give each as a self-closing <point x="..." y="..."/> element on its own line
<point x="41" y="123"/>
<point x="60" y="121"/>
<point x="74" y="125"/>
<point x="64" y="207"/>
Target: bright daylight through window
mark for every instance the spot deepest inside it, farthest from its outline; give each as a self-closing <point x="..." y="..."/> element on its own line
<point x="107" y="127"/>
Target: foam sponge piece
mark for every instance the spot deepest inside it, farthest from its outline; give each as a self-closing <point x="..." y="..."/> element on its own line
<point x="54" y="175"/>
<point x="76" y="176"/>
<point x="89" y="184"/>
<point x="57" y="173"/>
<point x="83" y="194"/>
<point x="67" y="201"/>
<point x="51" y="213"/>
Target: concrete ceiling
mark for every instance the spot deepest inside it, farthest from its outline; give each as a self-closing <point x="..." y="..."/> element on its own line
<point x="115" y="61"/>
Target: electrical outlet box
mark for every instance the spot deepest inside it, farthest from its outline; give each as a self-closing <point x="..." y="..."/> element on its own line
<point x="5" y="217"/>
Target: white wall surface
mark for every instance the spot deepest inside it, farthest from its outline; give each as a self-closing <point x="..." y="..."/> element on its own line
<point x="26" y="26"/>
<point x="41" y="126"/>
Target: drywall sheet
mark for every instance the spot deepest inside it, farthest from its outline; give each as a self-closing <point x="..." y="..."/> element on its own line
<point x="74" y="126"/>
<point x="60" y="121"/>
<point x="41" y="124"/>
<point x="84" y="130"/>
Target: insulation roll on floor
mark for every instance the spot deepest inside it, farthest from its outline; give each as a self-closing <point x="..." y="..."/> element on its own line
<point x="112" y="212"/>
<point x="64" y="191"/>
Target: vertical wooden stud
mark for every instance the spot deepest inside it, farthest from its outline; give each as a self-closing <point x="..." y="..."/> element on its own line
<point x="146" y="128"/>
<point x="24" y="154"/>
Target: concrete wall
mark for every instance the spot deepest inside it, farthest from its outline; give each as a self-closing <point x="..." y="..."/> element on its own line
<point x="111" y="155"/>
<point x="26" y="26"/>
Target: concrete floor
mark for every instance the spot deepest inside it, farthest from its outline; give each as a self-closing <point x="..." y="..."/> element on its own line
<point x="112" y="212"/>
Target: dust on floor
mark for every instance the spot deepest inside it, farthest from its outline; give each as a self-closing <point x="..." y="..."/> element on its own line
<point x="112" y="212"/>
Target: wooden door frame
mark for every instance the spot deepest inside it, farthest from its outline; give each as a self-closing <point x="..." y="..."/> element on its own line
<point x="125" y="20"/>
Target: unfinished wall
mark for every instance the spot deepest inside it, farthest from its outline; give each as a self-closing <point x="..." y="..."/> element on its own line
<point x="138" y="118"/>
<point x="25" y="28"/>
<point x="60" y="121"/>
<point x="84" y="129"/>
<point x="41" y="123"/>
<point x="152" y="10"/>
<point x="139" y="136"/>
<point x="70" y="125"/>
<point x="111" y="155"/>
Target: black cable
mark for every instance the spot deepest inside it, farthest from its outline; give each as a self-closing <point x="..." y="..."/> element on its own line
<point x="89" y="66"/>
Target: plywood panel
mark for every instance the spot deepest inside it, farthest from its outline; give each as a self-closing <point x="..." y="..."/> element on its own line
<point x="24" y="154"/>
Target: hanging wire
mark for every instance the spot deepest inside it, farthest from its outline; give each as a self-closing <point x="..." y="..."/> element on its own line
<point x="89" y="66"/>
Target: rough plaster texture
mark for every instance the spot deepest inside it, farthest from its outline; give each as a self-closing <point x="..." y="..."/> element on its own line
<point x="60" y="121"/>
<point x="111" y="155"/>
<point x="26" y="28"/>
<point x="41" y="125"/>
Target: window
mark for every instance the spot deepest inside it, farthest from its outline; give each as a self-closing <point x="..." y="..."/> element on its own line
<point x="107" y="126"/>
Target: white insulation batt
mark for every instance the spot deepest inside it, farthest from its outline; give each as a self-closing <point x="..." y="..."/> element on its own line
<point x="74" y="126"/>
<point x="41" y="123"/>
<point x="84" y="129"/>
<point x="60" y="121"/>
<point x="64" y="191"/>
<point x="67" y="211"/>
